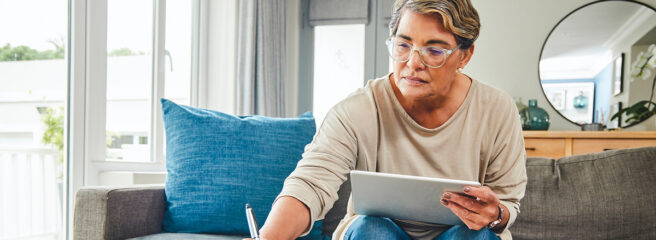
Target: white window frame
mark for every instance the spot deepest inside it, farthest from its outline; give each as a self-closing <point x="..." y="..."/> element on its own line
<point x="199" y="29"/>
<point x="87" y="94"/>
<point x="377" y="59"/>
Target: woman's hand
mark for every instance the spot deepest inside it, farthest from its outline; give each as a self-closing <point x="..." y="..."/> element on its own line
<point x="288" y="219"/>
<point x="477" y="209"/>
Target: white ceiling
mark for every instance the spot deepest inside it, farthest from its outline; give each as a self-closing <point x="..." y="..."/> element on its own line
<point x="589" y="33"/>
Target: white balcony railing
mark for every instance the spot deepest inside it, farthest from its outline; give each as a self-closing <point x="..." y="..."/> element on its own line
<point x="30" y="193"/>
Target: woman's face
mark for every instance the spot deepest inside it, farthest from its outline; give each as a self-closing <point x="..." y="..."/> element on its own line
<point x="414" y="79"/>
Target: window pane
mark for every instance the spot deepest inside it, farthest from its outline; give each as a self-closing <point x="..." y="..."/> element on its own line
<point x="33" y="85"/>
<point x="338" y="65"/>
<point x="178" y="45"/>
<point x="129" y="78"/>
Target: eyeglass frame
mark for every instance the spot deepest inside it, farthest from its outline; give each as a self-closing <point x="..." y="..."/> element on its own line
<point x="447" y="52"/>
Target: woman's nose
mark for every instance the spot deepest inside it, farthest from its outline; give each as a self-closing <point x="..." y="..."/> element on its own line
<point x="414" y="60"/>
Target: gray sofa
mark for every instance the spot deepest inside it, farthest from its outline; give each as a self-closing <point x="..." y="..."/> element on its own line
<point x="608" y="195"/>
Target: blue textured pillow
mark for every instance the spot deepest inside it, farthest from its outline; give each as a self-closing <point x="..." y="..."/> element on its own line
<point x="218" y="162"/>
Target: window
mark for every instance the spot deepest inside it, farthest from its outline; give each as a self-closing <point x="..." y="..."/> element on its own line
<point x="118" y="73"/>
<point x="177" y="86"/>
<point x="113" y="72"/>
<point x="338" y="65"/>
<point x="340" y="50"/>
<point x="33" y="74"/>
<point x="131" y="84"/>
<point x="129" y="78"/>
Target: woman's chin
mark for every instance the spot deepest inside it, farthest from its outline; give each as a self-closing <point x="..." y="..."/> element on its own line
<point x="414" y="92"/>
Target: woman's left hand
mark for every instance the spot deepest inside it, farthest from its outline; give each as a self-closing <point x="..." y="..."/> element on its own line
<point x="478" y="209"/>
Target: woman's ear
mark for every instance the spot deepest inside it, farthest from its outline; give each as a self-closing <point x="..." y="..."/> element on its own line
<point x="467" y="54"/>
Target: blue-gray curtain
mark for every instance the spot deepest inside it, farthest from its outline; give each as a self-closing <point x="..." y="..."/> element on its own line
<point x="261" y="65"/>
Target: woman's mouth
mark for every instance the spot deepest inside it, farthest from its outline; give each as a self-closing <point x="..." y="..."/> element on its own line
<point x="414" y="80"/>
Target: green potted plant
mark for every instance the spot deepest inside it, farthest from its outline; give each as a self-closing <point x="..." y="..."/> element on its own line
<point x="53" y="119"/>
<point x="641" y="68"/>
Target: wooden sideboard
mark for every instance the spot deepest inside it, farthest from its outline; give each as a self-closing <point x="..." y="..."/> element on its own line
<point x="557" y="144"/>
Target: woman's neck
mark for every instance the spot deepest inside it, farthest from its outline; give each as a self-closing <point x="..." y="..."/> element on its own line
<point x="432" y="112"/>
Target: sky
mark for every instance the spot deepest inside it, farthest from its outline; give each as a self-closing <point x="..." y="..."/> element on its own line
<point x="129" y="25"/>
<point x="34" y="22"/>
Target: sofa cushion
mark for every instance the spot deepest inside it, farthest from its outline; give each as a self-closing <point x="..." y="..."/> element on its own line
<point x="189" y="236"/>
<point x="607" y="195"/>
<point x="218" y="162"/>
<point x="335" y="215"/>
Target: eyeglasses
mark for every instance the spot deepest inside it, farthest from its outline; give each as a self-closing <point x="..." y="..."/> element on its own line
<point x="432" y="57"/>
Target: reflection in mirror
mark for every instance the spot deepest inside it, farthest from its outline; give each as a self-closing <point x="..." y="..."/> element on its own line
<point x="584" y="65"/>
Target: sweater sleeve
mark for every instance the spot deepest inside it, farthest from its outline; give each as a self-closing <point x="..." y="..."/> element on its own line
<point x="506" y="173"/>
<point x="325" y="164"/>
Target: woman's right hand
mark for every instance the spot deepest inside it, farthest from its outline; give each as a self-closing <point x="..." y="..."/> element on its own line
<point x="288" y="219"/>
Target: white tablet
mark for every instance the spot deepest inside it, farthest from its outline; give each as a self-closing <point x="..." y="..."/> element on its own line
<point x="404" y="197"/>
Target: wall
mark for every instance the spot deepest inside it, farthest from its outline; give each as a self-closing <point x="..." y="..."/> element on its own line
<point x="291" y="73"/>
<point x="603" y="91"/>
<point x="508" y="49"/>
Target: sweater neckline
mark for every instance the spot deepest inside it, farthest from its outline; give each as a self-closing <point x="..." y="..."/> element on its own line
<point x="398" y="108"/>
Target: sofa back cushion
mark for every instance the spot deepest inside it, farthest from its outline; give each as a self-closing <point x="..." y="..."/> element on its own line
<point x="335" y="215"/>
<point x="218" y="162"/>
<point x="607" y="195"/>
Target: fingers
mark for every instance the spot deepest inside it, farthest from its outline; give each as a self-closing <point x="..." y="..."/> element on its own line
<point x="476" y="209"/>
<point x="470" y="203"/>
<point x="484" y="193"/>
<point x="473" y="220"/>
<point x="476" y="205"/>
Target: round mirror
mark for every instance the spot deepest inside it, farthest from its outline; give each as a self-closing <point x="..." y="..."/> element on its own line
<point x="596" y="61"/>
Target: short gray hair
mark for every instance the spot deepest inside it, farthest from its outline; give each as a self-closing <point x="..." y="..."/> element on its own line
<point x="458" y="16"/>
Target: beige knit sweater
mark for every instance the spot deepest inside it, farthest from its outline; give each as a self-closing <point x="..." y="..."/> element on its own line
<point x="370" y="131"/>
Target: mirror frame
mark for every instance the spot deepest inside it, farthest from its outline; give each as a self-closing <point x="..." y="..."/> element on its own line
<point x="549" y="35"/>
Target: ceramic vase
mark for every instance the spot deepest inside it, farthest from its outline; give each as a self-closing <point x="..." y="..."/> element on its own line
<point x="534" y="117"/>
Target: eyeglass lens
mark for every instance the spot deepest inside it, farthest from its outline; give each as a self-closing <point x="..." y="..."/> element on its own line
<point x="431" y="56"/>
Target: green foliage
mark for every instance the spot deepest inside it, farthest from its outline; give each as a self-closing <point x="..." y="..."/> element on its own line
<point x="25" y="53"/>
<point x="640" y="69"/>
<point x="54" y="134"/>
<point x="20" y="53"/>
<point x="53" y="119"/>
<point x="637" y="112"/>
<point x="124" y="52"/>
<point x="110" y="137"/>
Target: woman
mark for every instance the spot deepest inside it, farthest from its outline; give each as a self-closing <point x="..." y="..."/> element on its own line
<point x="426" y="119"/>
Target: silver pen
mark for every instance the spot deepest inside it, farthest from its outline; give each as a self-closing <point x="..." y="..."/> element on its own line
<point x="252" y="223"/>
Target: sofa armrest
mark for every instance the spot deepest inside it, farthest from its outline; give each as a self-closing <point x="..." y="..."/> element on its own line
<point x="118" y="212"/>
